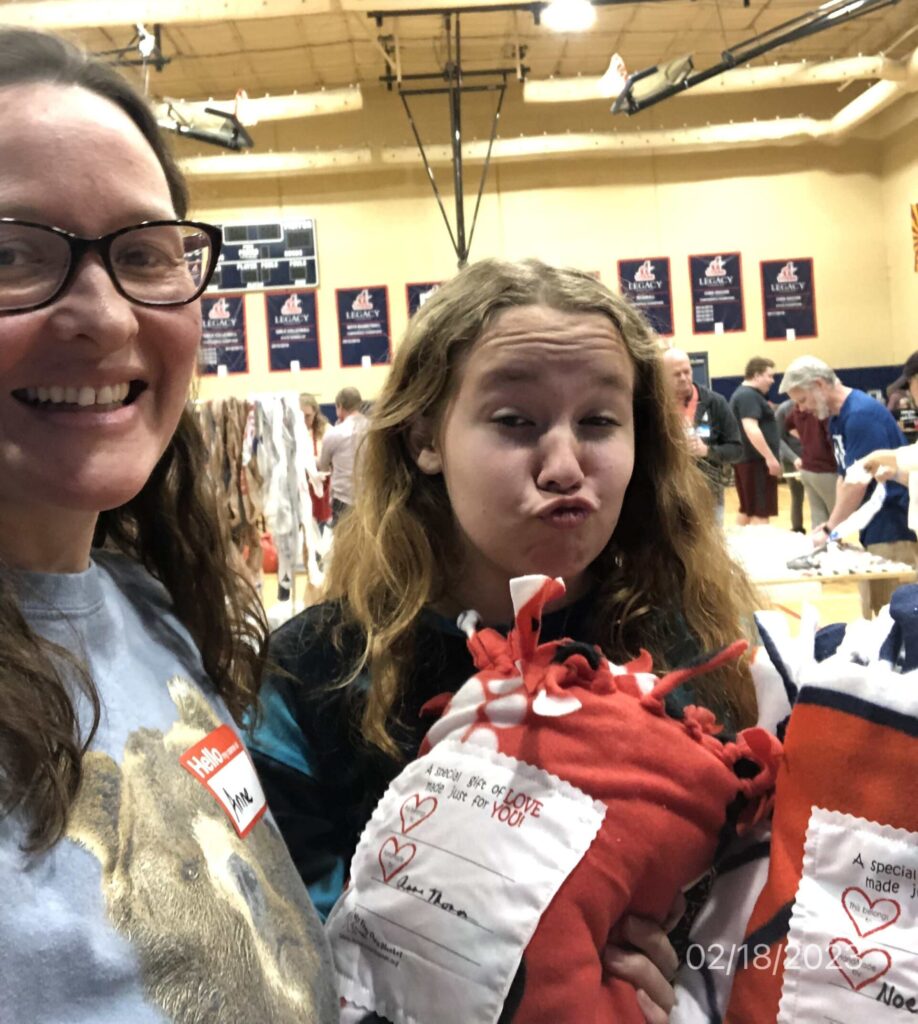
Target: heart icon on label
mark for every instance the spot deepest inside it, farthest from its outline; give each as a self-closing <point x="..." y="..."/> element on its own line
<point x="867" y="915"/>
<point x="415" y="810"/>
<point x="858" y="969"/>
<point x="394" y="858"/>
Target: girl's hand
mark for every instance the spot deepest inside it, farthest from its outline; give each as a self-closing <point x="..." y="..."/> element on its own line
<point x="881" y="464"/>
<point x="641" y="954"/>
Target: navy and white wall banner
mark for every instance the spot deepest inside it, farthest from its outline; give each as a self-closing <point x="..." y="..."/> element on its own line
<point x="717" y="293"/>
<point x="418" y="294"/>
<point x="788" y="299"/>
<point x="647" y="283"/>
<point x="293" y="331"/>
<point x="363" y="325"/>
<point x="223" y="339"/>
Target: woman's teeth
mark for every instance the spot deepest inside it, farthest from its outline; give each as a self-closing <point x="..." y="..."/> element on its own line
<point x="82" y="396"/>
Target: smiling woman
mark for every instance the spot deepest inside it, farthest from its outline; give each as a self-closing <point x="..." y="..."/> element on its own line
<point x="158" y="886"/>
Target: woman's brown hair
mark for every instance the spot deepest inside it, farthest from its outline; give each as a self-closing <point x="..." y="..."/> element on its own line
<point x="319" y="421"/>
<point x="394" y="550"/>
<point x="172" y="527"/>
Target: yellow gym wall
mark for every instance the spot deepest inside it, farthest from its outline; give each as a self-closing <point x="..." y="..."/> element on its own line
<point x="900" y="193"/>
<point x="845" y="206"/>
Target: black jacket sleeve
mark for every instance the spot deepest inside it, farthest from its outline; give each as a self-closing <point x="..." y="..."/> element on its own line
<point x="321" y="782"/>
<point x="725" y="445"/>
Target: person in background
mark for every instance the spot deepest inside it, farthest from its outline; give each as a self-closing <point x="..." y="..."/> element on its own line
<point x="791" y="452"/>
<point x="317" y="424"/>
<point x="340" y="448"/>
<point x="524" y="428"/>
<point x="758" y="470"/>
<point x="858" y="425"/>
<point x="710" y="427"/>
<point x="902" y="397"/>
<point x="816" y="463"/>
<point x="143" y="879"/>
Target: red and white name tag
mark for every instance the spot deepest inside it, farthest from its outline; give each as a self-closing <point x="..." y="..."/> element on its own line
<point x="223" y="766"/>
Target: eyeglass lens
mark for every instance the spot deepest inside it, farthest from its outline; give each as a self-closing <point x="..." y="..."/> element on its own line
<point x="159" y="264"/>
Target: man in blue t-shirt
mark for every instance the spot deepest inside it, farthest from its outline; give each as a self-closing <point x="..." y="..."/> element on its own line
<point x="858" y="425"/>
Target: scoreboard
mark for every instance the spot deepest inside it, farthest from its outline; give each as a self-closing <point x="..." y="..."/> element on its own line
<point x="268" y="254"/>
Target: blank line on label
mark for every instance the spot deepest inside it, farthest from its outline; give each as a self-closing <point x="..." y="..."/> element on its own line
<point x="382" y="917"/>
<point x="468" y="860"/>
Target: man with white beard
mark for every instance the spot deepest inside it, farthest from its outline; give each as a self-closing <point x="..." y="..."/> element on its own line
<point x="858" y="425"/>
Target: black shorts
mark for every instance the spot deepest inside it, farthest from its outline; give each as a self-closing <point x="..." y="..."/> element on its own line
<point x="757" y="489"/>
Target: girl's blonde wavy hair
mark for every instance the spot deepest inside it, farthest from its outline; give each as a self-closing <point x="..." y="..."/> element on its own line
<point x="396" y="550"/>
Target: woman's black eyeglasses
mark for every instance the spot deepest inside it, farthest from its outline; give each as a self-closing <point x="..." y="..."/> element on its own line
<point x="156" y="263"/>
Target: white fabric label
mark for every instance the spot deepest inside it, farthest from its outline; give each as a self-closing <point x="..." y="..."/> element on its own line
<point x="852" y="952"/>
<point x="457" y="865"/>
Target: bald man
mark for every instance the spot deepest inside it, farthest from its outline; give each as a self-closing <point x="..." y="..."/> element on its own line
<point x="710" y="427"/>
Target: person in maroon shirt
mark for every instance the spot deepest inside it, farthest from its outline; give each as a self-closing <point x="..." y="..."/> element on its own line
<point x="818" y="472"/>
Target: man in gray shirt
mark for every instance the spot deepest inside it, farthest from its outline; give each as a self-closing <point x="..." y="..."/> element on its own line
<point x="758" y="471"/>
<point x="340" y="449"/>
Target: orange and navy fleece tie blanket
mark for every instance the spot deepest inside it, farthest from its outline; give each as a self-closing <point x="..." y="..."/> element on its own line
<point x="553" y="796"/>
<point x="833" y="935"/>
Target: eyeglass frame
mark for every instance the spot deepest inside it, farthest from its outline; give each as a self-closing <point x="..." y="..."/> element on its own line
<point x="80" y="245"/>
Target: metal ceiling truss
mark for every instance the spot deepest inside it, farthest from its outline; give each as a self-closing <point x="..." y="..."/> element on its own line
<point x="493" y="80"/>
<point x="454" y="87"/>
<point x="132" y="55"/>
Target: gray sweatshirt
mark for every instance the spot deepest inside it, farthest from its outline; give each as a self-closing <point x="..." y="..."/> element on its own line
<point x="153" y="907"/>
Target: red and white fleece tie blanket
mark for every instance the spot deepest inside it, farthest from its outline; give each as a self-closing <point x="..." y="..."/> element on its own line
<point x="553" y="796"/>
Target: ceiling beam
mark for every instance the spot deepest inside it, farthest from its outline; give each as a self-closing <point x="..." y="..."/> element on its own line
<point x="73" y="14"/>
<point x="234" y="165"/>
<point x="252" y="111"/>
<point x="780" y="131"/>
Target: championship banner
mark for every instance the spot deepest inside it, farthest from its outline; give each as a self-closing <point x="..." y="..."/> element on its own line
<point x="717" y="293"/>
<point x="293" y="331"/>
<point x="418" y="294"/>
<point x="788" y="299"/>
<point x="363" y="325"/>
<point x="223" y="338"/>
<point x="647" y="283"/>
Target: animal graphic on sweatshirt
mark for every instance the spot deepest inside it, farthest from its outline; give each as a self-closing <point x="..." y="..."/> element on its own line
<point x="220" y="924"/>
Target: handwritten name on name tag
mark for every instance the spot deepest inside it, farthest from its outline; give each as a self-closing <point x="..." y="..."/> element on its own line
<point x="223" y="766"/>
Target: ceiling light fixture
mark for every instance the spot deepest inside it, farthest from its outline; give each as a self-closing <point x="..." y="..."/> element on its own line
<point x="569" y="15"/>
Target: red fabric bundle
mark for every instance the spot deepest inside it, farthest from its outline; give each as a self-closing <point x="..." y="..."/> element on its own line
<point x="667" y="786"/>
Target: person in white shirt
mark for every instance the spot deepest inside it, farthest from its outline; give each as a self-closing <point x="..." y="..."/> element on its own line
<point x="340" y="448"/>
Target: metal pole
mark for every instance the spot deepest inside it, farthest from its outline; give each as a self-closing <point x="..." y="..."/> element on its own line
<point x="429" y="169"/>
<point x="455" y="118"/>
<point x="487" y="163"/>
